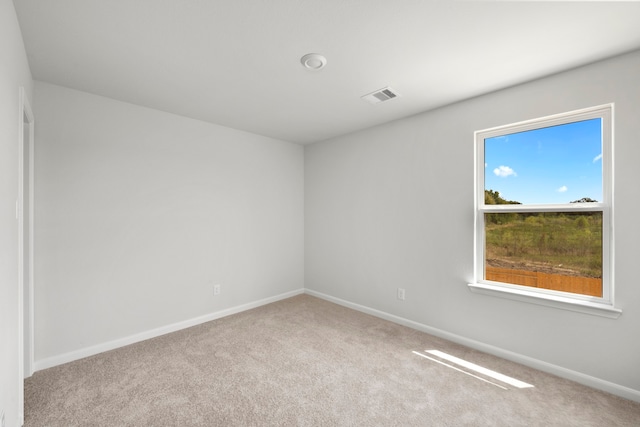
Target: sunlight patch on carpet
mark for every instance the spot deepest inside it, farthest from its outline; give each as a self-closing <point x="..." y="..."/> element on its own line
<point x="473" y="367"/>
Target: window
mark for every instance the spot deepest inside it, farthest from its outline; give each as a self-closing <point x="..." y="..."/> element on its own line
<point x="543" y="220"/>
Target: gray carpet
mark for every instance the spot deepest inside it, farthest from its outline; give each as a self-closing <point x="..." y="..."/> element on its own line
<point x="306" y="362"/>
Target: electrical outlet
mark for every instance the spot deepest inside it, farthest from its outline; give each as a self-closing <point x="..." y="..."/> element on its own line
<point x="401" y="294"/>
<point x="216" y="290"/>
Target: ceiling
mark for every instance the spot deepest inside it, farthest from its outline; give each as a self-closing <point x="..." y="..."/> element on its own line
<point x="236" y="63"/>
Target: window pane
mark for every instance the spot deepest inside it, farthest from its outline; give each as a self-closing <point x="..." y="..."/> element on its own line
<point x="561" y="251"/>
<point x="551" y="165"/>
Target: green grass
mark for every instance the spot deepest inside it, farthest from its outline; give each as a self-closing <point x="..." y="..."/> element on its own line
<point x="571" y="242"/>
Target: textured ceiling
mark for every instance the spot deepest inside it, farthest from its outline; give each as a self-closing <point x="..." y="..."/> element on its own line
<point x="236" y="62"/>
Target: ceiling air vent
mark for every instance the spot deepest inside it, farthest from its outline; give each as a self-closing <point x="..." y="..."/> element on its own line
<point x="380" y="95"/>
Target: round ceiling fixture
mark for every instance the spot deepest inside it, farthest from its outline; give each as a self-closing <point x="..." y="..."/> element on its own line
<point x="313" y="61"/>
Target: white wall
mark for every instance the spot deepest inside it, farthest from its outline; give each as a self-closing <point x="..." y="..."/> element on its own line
<point x="14" y="72"/>
<point x="392" y="206"/>
<point x="139" y="212"/>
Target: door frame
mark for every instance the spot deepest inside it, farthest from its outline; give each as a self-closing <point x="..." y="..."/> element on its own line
<point x="25" y="191"/>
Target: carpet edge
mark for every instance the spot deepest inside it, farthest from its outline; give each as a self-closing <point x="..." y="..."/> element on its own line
<point x="579" y="377"/>
<point x="71" y="356"/>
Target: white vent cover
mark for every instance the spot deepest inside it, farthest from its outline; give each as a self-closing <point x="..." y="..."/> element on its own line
<point x="380" y="95"/>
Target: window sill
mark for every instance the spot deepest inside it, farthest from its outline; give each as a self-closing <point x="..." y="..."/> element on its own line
<point x="556" y="301"/>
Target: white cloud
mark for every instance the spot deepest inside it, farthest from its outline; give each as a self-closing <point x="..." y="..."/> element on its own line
<point x="598" y="157"/>
<point x="504" y="171"/>
<point x="562" y="189"/>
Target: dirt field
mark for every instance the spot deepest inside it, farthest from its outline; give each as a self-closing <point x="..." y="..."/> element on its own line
<point x="533" y="266"/>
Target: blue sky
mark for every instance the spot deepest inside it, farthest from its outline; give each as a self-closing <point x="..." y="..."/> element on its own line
<point x="557" y="164"/>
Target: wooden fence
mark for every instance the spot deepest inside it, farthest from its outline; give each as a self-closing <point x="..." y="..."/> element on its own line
<point x="556" y="282"/>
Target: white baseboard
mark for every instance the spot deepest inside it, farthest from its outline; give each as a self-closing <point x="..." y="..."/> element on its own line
<point x="578" y="377"/>
<point x="597" y="383"/>
<point x="131" y="339"/>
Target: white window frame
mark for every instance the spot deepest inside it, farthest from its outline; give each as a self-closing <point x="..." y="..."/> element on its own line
<point x="603" y="306"/>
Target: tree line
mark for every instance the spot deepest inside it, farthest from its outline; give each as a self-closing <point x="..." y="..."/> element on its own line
<point x="492" y="197"/>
